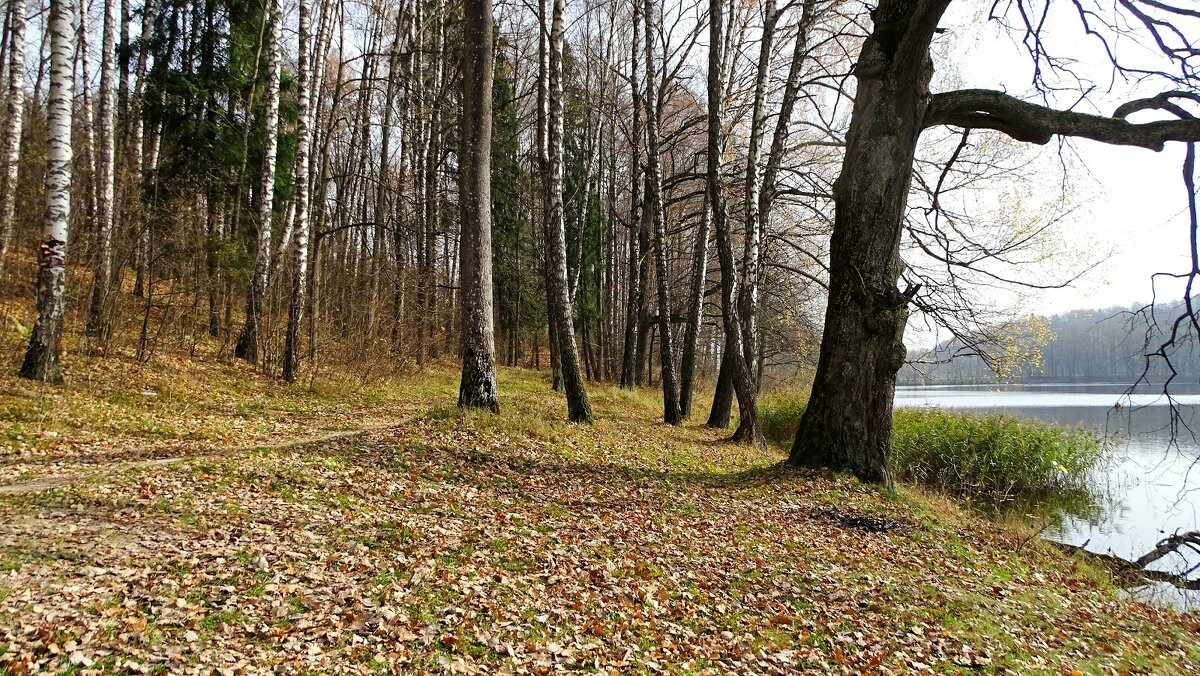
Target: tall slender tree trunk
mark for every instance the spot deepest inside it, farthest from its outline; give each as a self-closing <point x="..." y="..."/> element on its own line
<point x="45" y="343"/>
<point x="579" y="408"/>
<point x="98" y="317"/>
<point x="477" y="388"/>
<point x="138" y="148"/>
<point x="13" y="126"/>
<point x="83" y="89"/>
<point x="654" y="205"/>
<point x="305" y="119"/>
<point x="752" y="240"/>
<point x="247" y="345"/>
<point x="783" y="121"/>
<point x="543" y="169"/>
<point x="691" y="334"/>
<point x="734" y="365"/>
<point x="633" y="309"/>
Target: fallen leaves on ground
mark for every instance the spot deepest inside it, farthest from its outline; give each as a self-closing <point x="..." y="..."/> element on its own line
<point x="519" y="544"/>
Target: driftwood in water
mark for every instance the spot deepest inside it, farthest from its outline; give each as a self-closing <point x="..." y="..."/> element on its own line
<point x="1134" y="573"/>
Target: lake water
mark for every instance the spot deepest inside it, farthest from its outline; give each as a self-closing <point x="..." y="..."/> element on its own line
<point x="1150" y="488"/>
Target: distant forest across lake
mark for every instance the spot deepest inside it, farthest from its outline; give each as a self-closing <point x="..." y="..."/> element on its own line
<point x="1081" y="346"/>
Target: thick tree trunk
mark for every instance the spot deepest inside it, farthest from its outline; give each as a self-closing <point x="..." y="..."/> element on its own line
<point x="579" y="409"/>
<point x="848" y="422"/>
<point x="722" y="405"/>
<point x="45" y="343"/>
<point x="477" y="389"/>
<point x="247" y="345"/>
<point x="10" y="161"/>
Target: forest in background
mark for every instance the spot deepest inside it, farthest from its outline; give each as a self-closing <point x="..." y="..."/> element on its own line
<point x="1083" y="346"/>
<point x="186" y="124"/>
<point x="662" y="192"/>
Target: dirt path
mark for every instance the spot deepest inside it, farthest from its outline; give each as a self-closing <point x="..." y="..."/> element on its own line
<point x="45" y="483"/>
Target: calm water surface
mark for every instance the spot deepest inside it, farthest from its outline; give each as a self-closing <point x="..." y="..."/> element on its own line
<point x="1150" y="488"/>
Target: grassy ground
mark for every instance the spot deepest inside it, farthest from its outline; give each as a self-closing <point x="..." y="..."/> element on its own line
<point x="516" y="543"/>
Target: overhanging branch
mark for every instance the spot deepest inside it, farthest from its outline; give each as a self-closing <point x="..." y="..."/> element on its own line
<point x="1032" y="123"/>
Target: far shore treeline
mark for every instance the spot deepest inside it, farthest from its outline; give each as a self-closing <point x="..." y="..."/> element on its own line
<point x="1083" y="346"/>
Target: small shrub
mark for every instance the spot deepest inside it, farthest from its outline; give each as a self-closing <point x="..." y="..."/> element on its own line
<point x="779" y="415"/>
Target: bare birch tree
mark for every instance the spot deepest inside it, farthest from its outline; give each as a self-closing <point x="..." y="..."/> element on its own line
<point x="45" y="343"/>
<point x="13" y="124"/>
<point x="247" y="345"/>
<point x="579" y="408"/>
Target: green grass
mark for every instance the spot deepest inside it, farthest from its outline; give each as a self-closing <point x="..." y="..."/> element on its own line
<point x="992" y="459"/>
<point x="993" y="456"/>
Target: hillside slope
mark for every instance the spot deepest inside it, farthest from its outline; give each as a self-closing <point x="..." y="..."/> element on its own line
<point x="516" y="544"/>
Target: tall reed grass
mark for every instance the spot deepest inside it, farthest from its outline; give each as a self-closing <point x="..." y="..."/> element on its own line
<point x="986" y="457"/>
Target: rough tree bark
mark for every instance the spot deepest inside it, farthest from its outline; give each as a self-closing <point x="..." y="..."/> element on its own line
<point x="45" y="343"/>
<point x="477" y="388"/>
<point x="733" y="366"/>
<point x="579" y="409"/>
<point x="247" y="344"/>
<point x="654" y="208"/>
<point x="848" y="421"/>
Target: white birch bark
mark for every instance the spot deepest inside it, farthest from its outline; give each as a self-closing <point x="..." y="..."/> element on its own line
<point x="305" y="118"/>
<point x="247" y="347"/>
<point x="752" y="240"/>
<point x="13" y="125"/>
<point x="102" y="274"/>
<point x="45" y="344"/>
<point x="578" y="406"/>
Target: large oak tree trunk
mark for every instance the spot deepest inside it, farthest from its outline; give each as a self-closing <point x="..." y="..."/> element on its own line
<point x="477" y="388"/>
<point x="848" y="422"/>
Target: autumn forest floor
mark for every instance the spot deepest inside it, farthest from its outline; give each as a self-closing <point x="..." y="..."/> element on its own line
<point x="153" y="520"/>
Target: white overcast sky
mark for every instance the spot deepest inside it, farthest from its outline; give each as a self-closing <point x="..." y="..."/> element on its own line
<point x="1133" y="202"/>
